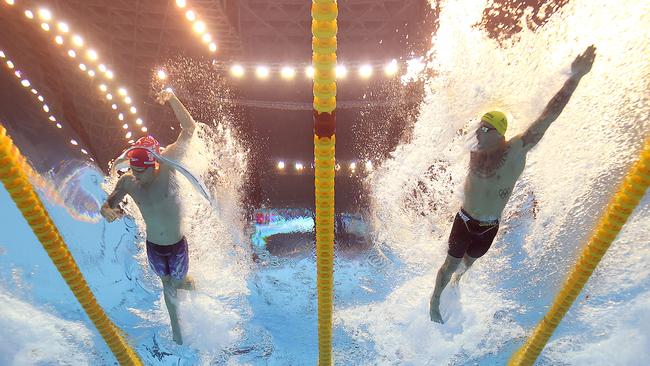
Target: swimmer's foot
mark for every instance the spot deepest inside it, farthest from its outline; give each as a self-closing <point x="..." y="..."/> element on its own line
<point x="434" y="310"/>
<point x="176" y="336"/>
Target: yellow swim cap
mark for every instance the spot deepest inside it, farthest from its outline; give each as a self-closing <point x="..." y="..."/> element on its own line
<point x="497" y="120"/>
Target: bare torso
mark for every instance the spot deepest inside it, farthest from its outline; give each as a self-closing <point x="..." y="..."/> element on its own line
<point x="159" y="204"/>
<point x="491" y="178"/>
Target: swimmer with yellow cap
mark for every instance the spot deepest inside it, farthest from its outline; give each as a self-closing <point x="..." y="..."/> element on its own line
<point x="495" y="166"/>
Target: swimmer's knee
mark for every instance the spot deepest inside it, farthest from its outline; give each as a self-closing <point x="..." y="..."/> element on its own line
<point x="451" y="263"/>
<point x="166" y="280"/>
<point x="469" y="260"/>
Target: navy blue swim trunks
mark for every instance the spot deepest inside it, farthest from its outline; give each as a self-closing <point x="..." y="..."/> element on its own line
<point x="470" y="236"/>
<point x="169" y="260"/>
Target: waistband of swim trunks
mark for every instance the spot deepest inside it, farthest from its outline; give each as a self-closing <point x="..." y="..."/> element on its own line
<point x="166" y="246"/>
<point x="467" y="218"/>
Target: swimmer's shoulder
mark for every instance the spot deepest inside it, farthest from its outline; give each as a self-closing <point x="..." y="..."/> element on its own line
<point x="516" y="146"/>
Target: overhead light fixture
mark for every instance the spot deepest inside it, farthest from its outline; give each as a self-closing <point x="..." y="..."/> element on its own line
<point x="63" y="27"/>
<point x="341" y="71"/>
<point x="288" y="72"/>
<point x="92" y="55"/>
<point x="237" y="70"/>
<point x="78" y="41"/>
<point x="309" y="71"/>
<point x="392" y="68"/>
<point x="199" y="27"/>
<point x="45" y="14"/>
<point x="262" y="72"/>
<point x="365" y="71"/>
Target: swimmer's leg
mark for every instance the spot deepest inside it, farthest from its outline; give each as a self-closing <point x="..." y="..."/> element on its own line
<point x="467" y="262"/>
<point x="169" y="292"/>
<point x="442" y="279"/>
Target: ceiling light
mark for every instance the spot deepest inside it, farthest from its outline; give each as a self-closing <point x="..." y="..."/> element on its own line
<point x="309" y="71"/>
<point x="58" y="40"/>
<point x="281" y="165"/>
<point x="92" y="55"/>
<point x="45" y="14"/>
<point x="190" y="15"/>
<point x="77" y="41"/>
<point x="63" y="27"/>
<point x="392" y="68"/>
<point x="181" y="3"/>
<point x="365" y="71"/>
<point x="212" y="47"/>
<point x="206" y="38"/>
<point x="341" y="71"/>
<point x="161" y="75"/>
<point x="29" y="14"/>
<point x="45" y="26"/>
<point x="288" y="72"/>
<point x="199" y="27"/>
<point x="237" y="70"/>
<point x="262" y="72"/>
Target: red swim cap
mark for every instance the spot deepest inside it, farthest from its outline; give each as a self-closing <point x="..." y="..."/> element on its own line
<point x="142" y="158"/>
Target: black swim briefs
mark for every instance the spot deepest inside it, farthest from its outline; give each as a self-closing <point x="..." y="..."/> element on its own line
<point x="470" y="236"/>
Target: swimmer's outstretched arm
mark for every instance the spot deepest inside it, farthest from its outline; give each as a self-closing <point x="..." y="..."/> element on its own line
<point x="178" y="148"/>
<point x="579" y="68"/>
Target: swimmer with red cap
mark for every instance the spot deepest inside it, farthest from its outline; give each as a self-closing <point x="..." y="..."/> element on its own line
<point x="150" y="184"/>
<point x="494" y="168"/>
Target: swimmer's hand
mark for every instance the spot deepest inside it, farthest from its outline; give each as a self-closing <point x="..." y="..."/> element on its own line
<point x="111" y="214"/>
<point x="164" y="96"/>
<point x="582" y="64"/>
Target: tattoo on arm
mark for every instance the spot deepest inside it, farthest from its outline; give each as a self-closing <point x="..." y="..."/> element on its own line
<point x="552" y="111"/>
